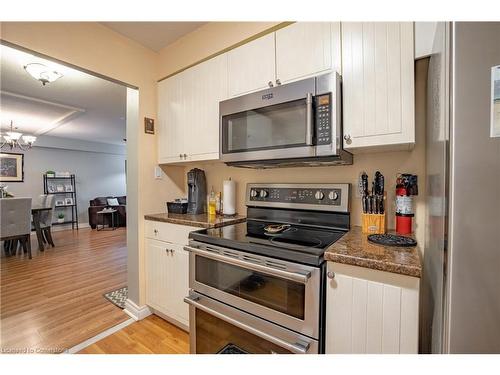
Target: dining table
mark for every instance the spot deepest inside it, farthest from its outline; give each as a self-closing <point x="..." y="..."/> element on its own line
<point x="36" y="212"/>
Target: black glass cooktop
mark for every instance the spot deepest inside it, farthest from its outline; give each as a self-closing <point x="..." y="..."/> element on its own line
<point x="298" y="243"/>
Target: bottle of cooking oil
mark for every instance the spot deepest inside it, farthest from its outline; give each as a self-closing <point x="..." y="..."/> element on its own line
<point x="212" y="203"/>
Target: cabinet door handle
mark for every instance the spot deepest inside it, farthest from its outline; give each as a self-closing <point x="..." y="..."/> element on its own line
<point x="155" y="231"/>
<point x="180" y="156"/>
<point x="270" y="83"/>
<point x="330" y="274"/>
<point x="278" y="82"/>
<point x="185" y="156"/>
<point x="347" y="139"/>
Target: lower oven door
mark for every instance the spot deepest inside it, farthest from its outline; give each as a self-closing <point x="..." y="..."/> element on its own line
<point x="216" y="328"/>
<point x="282" y="292"/>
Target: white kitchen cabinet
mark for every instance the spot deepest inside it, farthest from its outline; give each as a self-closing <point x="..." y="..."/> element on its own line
<point x="180" y="284"/>
<point x="378" y="85"/>
<point x="167" y="270"/>
<point x="370" y="311"/>
<point x="158" y="272"/>
<point x="251" y="66"/>
<point x="305" y="49"/>
<point x="188" y="112"/>
<point x="208" y="86"/>
<point x="301" y="50"/>
<point x="171" y="130"/>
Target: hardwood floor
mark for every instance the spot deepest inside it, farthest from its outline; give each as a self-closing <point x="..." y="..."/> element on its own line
<point x="54" y="301"/>
<point x="152" y="335"/>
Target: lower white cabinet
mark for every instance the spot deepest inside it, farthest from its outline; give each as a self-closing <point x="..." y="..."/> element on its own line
<point x="370" y="311"/>
<point x="167" y="272"/>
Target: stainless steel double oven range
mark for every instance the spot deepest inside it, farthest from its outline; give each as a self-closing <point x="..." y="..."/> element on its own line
<point x="258" y="286"/>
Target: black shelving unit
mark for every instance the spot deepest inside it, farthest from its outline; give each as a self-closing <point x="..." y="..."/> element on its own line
<point x="55" y="181"/>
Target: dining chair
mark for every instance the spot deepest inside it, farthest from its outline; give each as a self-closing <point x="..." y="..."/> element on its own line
<point x="15" y="223"/>
<point x="47" y="218"/>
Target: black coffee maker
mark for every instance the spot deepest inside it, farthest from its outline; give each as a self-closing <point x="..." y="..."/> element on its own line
<point x="197" y="191"/>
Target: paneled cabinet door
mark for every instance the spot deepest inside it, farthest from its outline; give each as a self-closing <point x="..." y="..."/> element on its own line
<point x="171" y="116"/>
<point x="252" y="66"/>
<point x="378" y="85"/>
<point x="207" y="83"/>
<point x="158" y="275"/>
<point x="369" y="311"/>
<point x="180" y="284"/>
<point x="307" y="48"/>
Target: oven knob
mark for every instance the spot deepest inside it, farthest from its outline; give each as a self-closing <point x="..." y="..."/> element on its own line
<point x="319" y="195"/>
<point x="333" y="195"/>
<point x="253" y="193"/>
<point x="263" y="193"/>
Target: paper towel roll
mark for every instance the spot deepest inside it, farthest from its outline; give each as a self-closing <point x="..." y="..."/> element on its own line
<point x="229" y="197"/>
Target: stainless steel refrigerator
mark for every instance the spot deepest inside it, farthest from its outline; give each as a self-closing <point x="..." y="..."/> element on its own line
<point x="460" y="304"/>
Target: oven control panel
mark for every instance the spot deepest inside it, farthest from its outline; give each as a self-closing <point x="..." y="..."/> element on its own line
<point x="321" y="197"/>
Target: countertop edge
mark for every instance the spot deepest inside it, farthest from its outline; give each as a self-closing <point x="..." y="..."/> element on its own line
<point x="375" y="265"/>
<point x="195" y="223"/>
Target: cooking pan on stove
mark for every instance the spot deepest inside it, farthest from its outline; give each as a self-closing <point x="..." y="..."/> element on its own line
<point x="276" y="228"/>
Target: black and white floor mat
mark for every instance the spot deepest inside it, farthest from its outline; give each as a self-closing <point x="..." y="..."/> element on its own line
<point x="117" y="297"/>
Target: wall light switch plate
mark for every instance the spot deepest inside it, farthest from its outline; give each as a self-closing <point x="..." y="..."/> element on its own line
<point x="158" y="173"/>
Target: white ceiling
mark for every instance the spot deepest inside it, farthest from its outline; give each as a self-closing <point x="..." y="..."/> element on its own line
<point x="76" y="106"/>
<point x="153" y="35"/>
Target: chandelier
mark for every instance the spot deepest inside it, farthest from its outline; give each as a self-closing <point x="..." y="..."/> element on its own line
<point x="12" y="139"/>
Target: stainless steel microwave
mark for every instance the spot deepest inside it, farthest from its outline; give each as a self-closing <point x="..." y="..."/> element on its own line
<point x="292" y="124"/>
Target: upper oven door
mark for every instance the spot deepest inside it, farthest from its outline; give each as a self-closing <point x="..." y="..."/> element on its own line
<point x="285" y="293"/>
<point x="271" y="124"/>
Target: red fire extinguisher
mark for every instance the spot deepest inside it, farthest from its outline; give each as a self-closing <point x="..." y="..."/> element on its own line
<point x="406" y="188"/>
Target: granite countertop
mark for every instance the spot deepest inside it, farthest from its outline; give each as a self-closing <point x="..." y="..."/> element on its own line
<point x="202" y="220"/>
<point x="355" y="249"/>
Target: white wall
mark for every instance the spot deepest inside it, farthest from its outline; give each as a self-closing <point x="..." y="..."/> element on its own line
<point x="97" y="173"/>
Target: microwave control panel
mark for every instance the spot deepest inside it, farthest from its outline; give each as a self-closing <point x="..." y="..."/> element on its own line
<point x="323" y="119"/>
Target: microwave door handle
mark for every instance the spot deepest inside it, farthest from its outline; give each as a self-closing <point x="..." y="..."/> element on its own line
<point x="309" y="119"/>
<point x="297" y="348"/>
<point x="292" y="276"/>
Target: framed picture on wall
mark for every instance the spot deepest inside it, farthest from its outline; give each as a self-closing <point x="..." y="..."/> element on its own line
<point x="51" y="189"/>
<point x="11" y="167"/>
<point x="60" y="202"/>
<point x="60" y="188"/>
<point x="149" y="125"/>
<point x="68" y="188"/>
<point x="68" y="201"/>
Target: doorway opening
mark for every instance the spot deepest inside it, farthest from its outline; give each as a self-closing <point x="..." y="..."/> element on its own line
<point x="68" y="282"/>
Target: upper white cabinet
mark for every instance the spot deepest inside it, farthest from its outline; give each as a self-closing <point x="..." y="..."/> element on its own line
<point x="251" y="67"/>
<point x="297" y="51"/>
<point x="370" y="311"/>
<point x="188" y="112"/>
<point x="171" y="129"/>
<point x="307" y="48"/>
<point x="378" y="85"/>
<point x="377" y="65"/>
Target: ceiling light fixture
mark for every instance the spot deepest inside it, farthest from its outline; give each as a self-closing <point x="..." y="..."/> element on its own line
<point x="12" y="139"/>
<point x="42" y="73"/>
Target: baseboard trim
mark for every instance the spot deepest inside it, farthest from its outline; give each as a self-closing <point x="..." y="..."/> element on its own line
<point x="57" y="228"/>
<point x="175" y="322"/>
<point x="99" y="336"/>
<point x="136" y="312"/>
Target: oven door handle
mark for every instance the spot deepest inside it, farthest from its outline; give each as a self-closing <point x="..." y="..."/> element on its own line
<point x="297" y="348"/>
<point x="309" y="119"/>
<point x="292" y="276"/>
